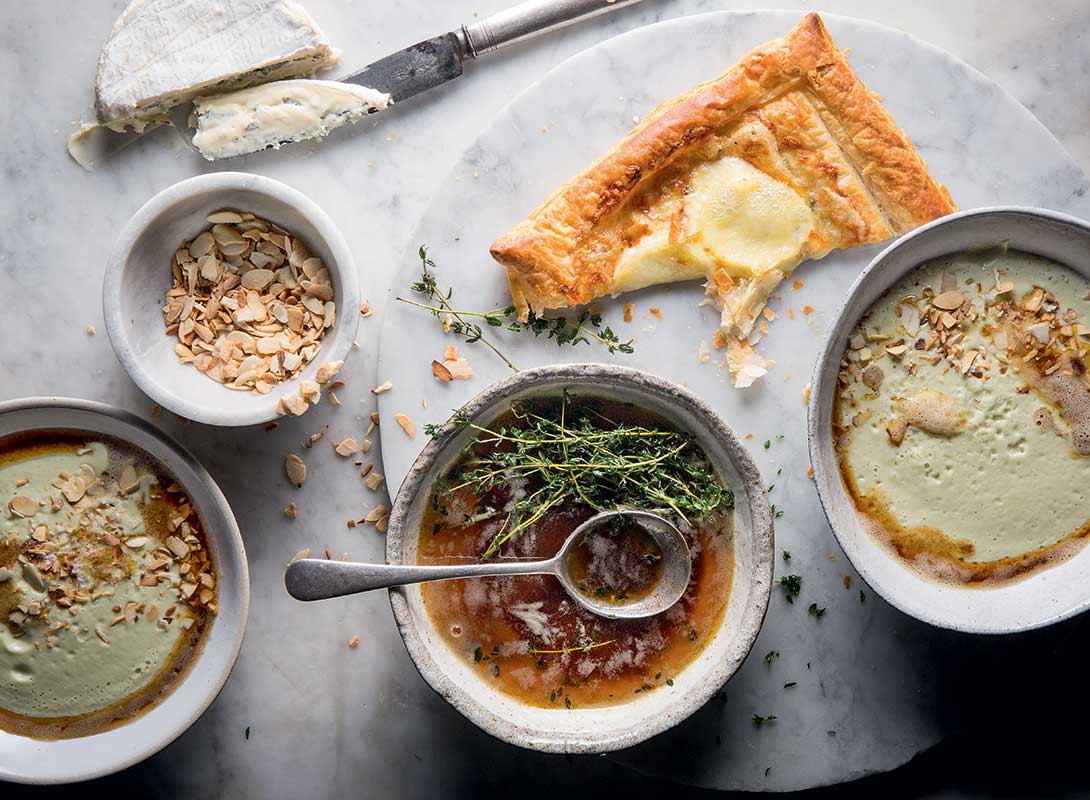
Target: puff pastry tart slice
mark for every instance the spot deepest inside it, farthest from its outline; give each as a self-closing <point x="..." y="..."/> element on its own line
<point x="783" y="158"/>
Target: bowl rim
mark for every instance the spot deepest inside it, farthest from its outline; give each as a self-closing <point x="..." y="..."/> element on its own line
<point x="338" y="339"/>
<point x="753" y="614"/>
<point x="823" y="480"/>
<point x="231" y="538"/>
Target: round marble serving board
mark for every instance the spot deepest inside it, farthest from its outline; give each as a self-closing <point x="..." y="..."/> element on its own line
<point x="872" y="686"/>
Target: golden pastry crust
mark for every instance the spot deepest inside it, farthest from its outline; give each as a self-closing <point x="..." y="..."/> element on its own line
<point x="793" y="109"/>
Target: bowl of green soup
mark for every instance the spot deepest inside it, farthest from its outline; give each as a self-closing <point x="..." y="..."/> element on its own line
<point x="949" y="421"/>
<point x="123" y="590"/>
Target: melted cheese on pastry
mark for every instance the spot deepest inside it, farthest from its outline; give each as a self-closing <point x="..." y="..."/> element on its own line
<point x="733" y="217"/>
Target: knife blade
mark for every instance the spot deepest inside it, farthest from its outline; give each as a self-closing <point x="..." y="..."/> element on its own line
<point x="415" y="69"/>
<point x="435" y="61"/>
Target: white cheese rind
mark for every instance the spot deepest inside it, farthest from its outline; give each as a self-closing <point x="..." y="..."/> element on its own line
<point x="273" y="114"/>
<point x="161" y="53"/>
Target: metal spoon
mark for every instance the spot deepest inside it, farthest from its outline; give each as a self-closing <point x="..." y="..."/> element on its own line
<point x="318" y="579"/>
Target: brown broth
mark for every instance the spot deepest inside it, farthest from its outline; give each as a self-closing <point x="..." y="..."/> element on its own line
<point x="163" y="506"/>
<point x="529" y="639"/>
<point x="616" y="565"/>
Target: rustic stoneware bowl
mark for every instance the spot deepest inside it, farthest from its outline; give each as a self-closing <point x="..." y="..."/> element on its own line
<point x="138" y="275"/>
<point x="591" y="730"/>
<point x="1042" y="597"/>
<point x="27" y="760"/>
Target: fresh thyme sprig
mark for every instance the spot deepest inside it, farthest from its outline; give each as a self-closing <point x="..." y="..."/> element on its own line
<point x="584" y="329"/>
<point x="557" y="460"/>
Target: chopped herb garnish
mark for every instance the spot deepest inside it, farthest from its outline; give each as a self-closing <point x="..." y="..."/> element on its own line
<point x="792" y="585"/>
<point x="768" y="443"/>
<point x="669" y="681"/>
<point x="862" y="597"/>
<point x="563" y="330"/>
<point x="567" y="702"/>
<point x="759" y="720"/>
<point x="495" y="669"/>
<point x="786" y="555"/>
<point x="790" y="684"/>
<point x="814" y="611"/>
<point x="247" y="734"/>
<point x="478" y="654"/>
<point x="776" y="512"/>
<point x="572" y="457"/>
<point x="771" y="656"/>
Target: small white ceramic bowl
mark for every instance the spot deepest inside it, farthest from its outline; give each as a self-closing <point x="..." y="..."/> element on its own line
<point x="25" y="760"/>
<point x="138" y="274"/>
<point x="591" y="730"/>
<point x="1040" y="598"/>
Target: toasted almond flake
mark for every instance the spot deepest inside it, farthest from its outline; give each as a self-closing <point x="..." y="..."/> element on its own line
<point x="382" y="523"/>
<point x="290" y="511"/>
<point x="304" y="553"/>
<point x="365" y="309"/>
<point x="23" y="506"/>
<point x="1039" y="331"/>
<point x="374" y="480"/>
<point x="136" y="542"/>
<point x="128" y="481"/>
<point x="90" y="330"/>
<point x="406" y="424"/>
<point x="910" y="319"/>
<point x="376" y="513"/>
<point x="382" y="387"/>
<point x="101" y="634"/>
<point x="292" y="404"/>
<point x="440" y="372"/>
<point x="806" y="394"/>
<point x="177" y="546"/>
<point x="295" y="469"/>
<point x="346" y="447"/>
<point x="327" y="370"/>
<point x="365" y="445"/>
<point x="459" y="369"/>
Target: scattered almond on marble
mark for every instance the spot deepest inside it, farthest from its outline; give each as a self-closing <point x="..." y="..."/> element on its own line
<point x="296" y="470"/>
<point x="382" y="387"/>
<point x="346" y="447"/>
<point x="406" y="423"/>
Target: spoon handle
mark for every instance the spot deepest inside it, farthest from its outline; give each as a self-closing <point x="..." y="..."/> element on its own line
<point x="318" y="579"/>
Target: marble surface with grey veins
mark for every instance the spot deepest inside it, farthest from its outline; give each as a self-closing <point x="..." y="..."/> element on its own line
<point x="327" y="721"/>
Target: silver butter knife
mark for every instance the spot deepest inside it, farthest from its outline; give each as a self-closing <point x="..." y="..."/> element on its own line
<point x="437" y="60"/>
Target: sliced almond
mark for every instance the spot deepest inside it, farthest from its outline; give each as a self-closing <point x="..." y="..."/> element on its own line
<point x="327" y="370"/>
<point x="346" y="447"/>
<point x="295" y="469"/>
<point x="23" y="506"/>
<point x="406" y="424"/>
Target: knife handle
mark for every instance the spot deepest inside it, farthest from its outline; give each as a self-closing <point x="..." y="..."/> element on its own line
<point x="529" y="19"/>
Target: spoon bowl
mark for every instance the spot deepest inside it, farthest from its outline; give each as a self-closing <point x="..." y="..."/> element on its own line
<point x="318" y="579"/>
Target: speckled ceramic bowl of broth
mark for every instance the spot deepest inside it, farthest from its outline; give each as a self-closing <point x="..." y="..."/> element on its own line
<point x="516" y="655"/>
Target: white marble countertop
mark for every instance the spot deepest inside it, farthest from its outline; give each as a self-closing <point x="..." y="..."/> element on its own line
<point x="325" y="720"/>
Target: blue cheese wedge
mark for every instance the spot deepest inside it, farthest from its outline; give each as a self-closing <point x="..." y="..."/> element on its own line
<point x="162" y="53"/>
<point x="273" y="114"/>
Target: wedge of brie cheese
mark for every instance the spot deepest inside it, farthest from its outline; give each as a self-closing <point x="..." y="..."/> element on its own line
<point x="162" y="53"/>
<point x="275" y="113"/>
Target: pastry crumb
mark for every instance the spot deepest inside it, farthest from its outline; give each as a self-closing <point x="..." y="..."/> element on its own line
<point x="354" y="642"/>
